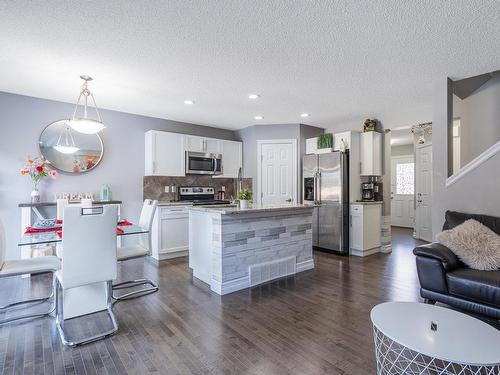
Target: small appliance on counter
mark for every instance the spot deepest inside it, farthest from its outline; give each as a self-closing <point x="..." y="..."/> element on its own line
<point x="378" y="191"/>
<point x="200" y="195"/>
<point x="367" y="191"/>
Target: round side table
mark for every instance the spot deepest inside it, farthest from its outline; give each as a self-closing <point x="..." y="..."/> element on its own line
<point x="416" y="338"/>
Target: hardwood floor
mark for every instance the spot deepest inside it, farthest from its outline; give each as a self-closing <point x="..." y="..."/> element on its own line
<point x="314" y="323"/>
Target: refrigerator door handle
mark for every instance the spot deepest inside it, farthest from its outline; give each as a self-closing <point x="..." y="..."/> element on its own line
<point x="317" y="188"/>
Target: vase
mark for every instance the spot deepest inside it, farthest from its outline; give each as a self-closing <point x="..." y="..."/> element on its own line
<point x="105" y="192"/>
<point x="35" y="196"/>
<point x="244" y="203"/>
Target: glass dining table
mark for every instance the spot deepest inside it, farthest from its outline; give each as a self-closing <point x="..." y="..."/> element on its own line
<point x="94" y="295"/>
<point x="31" y="239"/>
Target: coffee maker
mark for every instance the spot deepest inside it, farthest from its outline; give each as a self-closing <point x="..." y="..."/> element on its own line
<point x="367" y="191"/>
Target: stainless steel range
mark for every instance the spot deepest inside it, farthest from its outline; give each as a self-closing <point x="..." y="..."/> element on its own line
<point x="199" y="195"/>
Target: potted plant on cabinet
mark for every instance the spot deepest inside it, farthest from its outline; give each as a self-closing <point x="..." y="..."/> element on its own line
<point x="369" y="125"/>
<point x="244" y="196"/>
<point x="325" y="143"/>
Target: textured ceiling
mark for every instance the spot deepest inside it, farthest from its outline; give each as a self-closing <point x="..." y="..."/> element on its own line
<point x="340" y="61"/>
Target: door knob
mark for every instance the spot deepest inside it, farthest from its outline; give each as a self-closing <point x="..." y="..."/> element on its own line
<point x="289" y="200"/>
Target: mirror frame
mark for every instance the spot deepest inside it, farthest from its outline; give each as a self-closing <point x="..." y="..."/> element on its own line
<point x="63" y="171"/>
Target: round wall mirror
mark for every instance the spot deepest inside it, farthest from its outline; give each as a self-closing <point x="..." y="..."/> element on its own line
<point x="68" y="150"/>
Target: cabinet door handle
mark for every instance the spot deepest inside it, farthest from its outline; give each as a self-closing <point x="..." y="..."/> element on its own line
<point x="154" y="167"/>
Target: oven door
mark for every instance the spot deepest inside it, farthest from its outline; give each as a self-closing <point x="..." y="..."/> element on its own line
<point x="201" y="163"/>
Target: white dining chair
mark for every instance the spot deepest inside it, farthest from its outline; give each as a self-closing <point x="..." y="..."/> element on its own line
<point x="88" y="258"/>
<point x="61" y="204"/>
<point x="140" y="250"/>
<point x="32" y="266"/>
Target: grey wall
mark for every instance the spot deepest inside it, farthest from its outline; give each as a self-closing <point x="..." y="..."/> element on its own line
<point x="250" y="135"/>
<point x="479" y="120"/>
<point x="476" y="192"/>
<point x="122" y="166"/>
<point x="402" y="150"/>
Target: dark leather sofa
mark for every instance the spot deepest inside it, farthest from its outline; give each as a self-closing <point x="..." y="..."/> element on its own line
<point x="444" y="278"/>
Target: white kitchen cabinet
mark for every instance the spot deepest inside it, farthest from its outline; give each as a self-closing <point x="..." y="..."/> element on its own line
<point x="170" y="232"/>
<point x="164" y="154"/>
<point x="231" y="158"/>
<point x="365" y="228"/>
<point x="212" y="145"/>
<point x="194" y="143"/>
<point x="202" y="144"/>
<point x="371" y="154"/>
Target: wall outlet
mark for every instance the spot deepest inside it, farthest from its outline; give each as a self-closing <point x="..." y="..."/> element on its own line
<point x="167" y="189"/>
<point x="223" y="188"/>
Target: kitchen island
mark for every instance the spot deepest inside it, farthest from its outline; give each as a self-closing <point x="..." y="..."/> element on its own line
<point x="232" y="248"/>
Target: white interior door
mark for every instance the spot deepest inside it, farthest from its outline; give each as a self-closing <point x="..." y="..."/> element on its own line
<point x="403" y="191"/>
<point x="277" y="171"/>
<point x="423" y="229"/>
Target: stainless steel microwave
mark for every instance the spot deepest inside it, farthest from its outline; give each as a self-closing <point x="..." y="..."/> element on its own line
<point x="203" y="163"/>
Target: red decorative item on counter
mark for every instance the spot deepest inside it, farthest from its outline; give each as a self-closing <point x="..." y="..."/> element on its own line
<point x="124" y="222"/>
<point x="31" y="230"/>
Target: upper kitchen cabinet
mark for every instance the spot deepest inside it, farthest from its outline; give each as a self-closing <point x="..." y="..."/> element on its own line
<point x="202" y="144"/>
<point x="164" y="154"/>
<point x="231" y="158"/>
<point x="371" y="154"/>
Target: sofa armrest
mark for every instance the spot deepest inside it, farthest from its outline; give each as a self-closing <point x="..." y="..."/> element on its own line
<point x="439" y="252"/>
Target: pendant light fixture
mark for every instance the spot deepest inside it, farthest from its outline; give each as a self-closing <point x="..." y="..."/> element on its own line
<point x="67" y="147"/>
<point x="85" y="124"/>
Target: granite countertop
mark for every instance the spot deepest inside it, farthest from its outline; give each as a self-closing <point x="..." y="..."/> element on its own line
<point x="190" y="204"/>
<point x="367" y="202"/>
<point x="175" y="203"/>
<point x="232" y="209"/>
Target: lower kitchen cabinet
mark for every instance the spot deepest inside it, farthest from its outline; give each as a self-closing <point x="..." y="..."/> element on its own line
<point x="170" y="232"/>
<point x="366" y="228"/>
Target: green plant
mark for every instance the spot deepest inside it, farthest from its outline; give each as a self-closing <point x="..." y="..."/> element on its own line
<point x="369" y="125"/>
<point x="325" y="140"/>
<point x="245" y="195"/>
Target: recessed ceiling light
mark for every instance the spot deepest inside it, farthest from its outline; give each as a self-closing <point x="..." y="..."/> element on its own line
<point x="259" y="117"/>
<point x="253" y="96"/>
<point x="188" y="101"/>
<point x="304" y="115"/>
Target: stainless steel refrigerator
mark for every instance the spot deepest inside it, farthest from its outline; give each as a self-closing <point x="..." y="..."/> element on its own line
<point x="326" y="185"/>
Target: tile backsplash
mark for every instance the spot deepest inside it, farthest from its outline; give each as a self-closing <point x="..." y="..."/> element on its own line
<point x="154" y="186"/>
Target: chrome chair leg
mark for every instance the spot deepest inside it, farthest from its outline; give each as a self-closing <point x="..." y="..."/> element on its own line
<point x="60" y="322"/>
<point x="29" y="301"/>
<point x="136" y="293"/>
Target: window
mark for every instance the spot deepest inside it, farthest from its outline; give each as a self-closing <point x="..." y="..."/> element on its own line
<point x="405" y="178"/>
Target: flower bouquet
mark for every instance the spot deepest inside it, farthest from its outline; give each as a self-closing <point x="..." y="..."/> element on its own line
<point x="37" y="169"/>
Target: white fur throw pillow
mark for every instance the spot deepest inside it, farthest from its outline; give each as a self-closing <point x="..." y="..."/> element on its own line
<point x="474" y="244"/>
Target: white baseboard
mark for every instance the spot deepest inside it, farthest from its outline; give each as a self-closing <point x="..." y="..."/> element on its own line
<point x="364" y="253"/>
<point x="230" y="286"/>
<point x="170" y="255"/>
<point x="386" y="248"/>
<point x="305" y="265"/>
